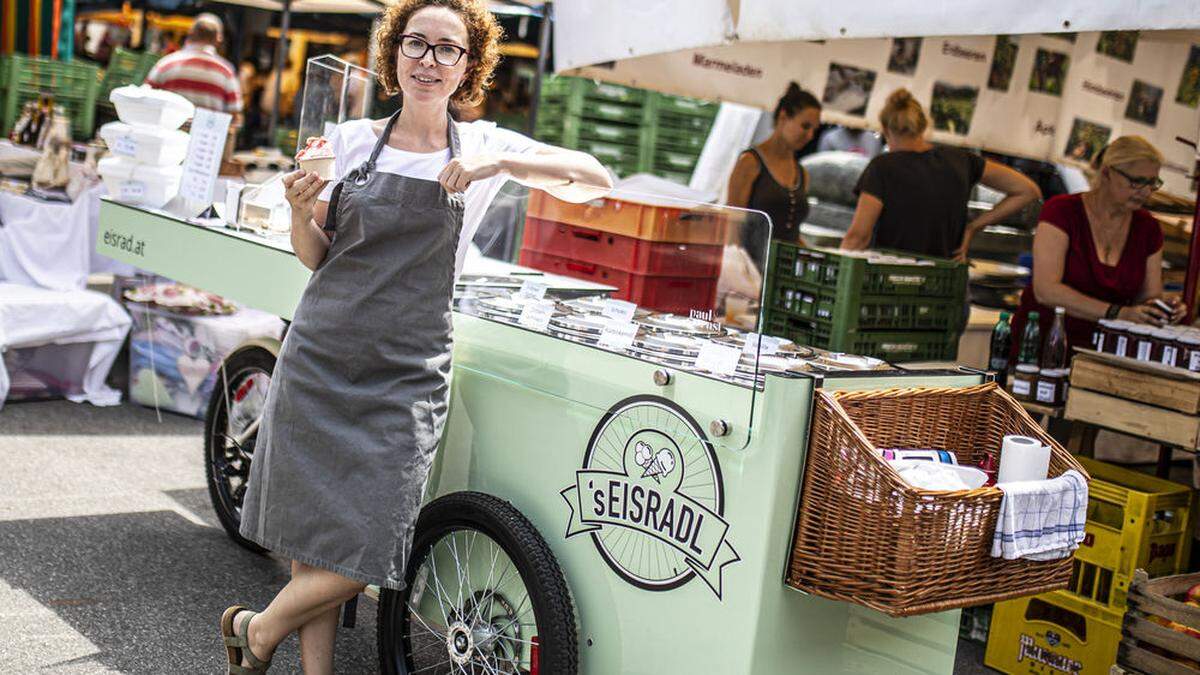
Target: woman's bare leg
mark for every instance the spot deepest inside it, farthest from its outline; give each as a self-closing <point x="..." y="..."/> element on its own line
<point x="313" y="594"/>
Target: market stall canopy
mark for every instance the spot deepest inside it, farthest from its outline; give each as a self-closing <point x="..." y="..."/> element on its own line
<point x="1043" y="94"/>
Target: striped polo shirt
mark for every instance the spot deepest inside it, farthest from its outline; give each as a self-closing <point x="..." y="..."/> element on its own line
<point x="198" y="74"/>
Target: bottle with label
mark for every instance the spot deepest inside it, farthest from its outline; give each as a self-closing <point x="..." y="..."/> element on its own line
<point x="1054" y="352"/>
<point x="1001" y="346"/>
<point x="1031" y="341"/>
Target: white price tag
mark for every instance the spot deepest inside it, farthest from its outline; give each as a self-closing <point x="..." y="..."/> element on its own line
<point x="618" y="334"/>
<point x="207" y="144"/>
<point x="718" y="358"/>
<point x="1194" y="361"/>
<point x="762" y="344"/>
<point x="1021" y="387"/>
<point x="536" y="315"/>
<point x="1143" y="350"/>
<point x="1169" y="355"/>
<point x="132" y="190"/>
<point x="619" y="310"/>
<point x="1122" y="345"/>
<point x="125" y="145"/>
<point x="534" y="290"/>
<point x="1045" y="392"/>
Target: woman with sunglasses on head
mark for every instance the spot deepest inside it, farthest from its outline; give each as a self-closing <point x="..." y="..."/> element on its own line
<point x="359" y="394"/>
<point x="1098" y="254"/>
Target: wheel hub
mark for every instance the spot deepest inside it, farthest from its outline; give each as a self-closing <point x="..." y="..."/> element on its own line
<point x="460" y="641"/>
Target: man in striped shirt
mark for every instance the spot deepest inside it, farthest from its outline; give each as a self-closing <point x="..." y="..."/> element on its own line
<point x="197" y="73"/>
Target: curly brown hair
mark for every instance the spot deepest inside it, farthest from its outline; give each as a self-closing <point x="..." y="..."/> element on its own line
<point x="483" y="42"/>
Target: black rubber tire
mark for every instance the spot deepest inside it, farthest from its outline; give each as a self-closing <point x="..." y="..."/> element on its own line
<point x="553" y="609"/>
<point x="246" y="358"/>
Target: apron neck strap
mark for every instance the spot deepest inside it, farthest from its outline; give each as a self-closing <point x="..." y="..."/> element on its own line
<point x="451" y="137"/>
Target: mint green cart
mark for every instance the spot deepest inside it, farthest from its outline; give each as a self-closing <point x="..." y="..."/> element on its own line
<point x="590" y="510"/>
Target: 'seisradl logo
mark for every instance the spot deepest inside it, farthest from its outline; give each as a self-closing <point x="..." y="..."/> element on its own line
<point x="651" y="475"/>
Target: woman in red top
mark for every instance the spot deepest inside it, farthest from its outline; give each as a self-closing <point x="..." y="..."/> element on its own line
<point x="1098" y="254"/>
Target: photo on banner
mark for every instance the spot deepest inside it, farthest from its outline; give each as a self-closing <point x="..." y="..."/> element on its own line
<point x="906" y="52"/>
<point x="848" y="89"/>
<point x="1144" y="102"/>
<point x="1049" y="72"/>
<point x="1189" y="83"/>
<point x="1086" y="140"/>
<point x="953" y="107"/>
<point x="1119" y="44"/>
<point x="1004" y="60"/>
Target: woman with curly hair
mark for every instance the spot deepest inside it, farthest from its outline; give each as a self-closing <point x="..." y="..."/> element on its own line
<point x="359" y="395"/>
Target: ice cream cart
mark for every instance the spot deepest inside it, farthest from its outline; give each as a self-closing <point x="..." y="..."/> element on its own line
<point x="617" y="488"/>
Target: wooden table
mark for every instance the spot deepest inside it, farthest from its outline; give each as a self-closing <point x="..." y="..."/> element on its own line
<point x="1139" y="399"/>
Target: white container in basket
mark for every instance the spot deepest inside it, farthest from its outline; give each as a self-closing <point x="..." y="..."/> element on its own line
<point x="142" y="104"/>
<point x="133" y="183"/>
<point x="146" y="144"/>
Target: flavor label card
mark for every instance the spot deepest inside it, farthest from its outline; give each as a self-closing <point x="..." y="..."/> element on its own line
<point x="619" y="310"/>
<point x="718" y="358"/>
<point x="618" y="334"/>
<point x="762" y="344"/>
<point x="536" y="315"/>
<point x="535" y="290"/>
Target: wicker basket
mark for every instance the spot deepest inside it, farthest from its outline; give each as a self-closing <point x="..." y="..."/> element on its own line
<point x="865" y="536"/>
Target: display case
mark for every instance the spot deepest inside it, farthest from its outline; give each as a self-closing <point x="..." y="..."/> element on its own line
<point x="334" y="91"/>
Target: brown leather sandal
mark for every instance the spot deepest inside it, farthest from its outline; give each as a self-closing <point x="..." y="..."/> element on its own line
<point x="237" y="647"/>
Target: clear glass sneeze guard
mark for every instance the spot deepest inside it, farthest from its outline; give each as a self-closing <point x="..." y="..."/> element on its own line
<point x="335" y="91"/>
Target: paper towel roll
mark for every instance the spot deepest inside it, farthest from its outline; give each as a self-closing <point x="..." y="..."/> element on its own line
<point x="1023" y="458"/>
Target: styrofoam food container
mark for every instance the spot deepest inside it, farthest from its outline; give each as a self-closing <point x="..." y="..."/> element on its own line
<point x="973" y="477"/>
<point x="143" y="104"/>
<point x="133" y="183"/>
<point x="146" y="144"/>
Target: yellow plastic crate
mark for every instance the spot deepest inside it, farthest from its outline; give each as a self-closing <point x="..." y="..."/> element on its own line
<point x="1134" y="521"/>
<point x="1055" y="632"/>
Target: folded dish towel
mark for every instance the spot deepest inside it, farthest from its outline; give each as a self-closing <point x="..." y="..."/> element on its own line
<point x="1041" y="519"/>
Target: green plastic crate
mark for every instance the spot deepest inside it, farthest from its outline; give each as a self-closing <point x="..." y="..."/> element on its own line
<point x="124" y="68"/>
<point x="675" y="161"/>
<point x="881" y="312"/>
<point x="893" y="346"/>
<point x="610" y="152"/>
<point x="683" y="106"/>
<point x="851" y="276"/>
<point x="566" y="87"/>
<point x="73" y="85"/>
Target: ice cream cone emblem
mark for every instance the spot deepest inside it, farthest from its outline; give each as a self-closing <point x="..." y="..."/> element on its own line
<point x="656" y="466"/>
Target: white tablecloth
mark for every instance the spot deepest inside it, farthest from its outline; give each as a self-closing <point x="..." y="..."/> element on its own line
<point x="52" y="244"/>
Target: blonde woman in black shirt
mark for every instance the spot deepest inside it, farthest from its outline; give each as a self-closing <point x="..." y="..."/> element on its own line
<point x="914" y="197"/>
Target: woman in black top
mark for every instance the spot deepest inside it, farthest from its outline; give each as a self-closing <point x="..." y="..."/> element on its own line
<point x="914" y="197"/>
<point x="769" y="177"/>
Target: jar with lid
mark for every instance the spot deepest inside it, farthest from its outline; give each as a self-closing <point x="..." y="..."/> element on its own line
<point x="1189" y="352"/>
<point x="1166" y="346"/>
<point x="1024" y="382"/>
<point x="1103" y="335"/>
<point x="1052" y="386"/>
<point x="1116" y="341"/>
<point x="1141" y="342"/>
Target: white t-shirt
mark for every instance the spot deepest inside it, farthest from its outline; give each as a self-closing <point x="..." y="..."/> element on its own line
<point x="353" y="141"/>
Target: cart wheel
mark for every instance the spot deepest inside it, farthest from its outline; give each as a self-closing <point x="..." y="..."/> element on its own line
<point x="483" y="594"/>
<point x="237" y="402"/>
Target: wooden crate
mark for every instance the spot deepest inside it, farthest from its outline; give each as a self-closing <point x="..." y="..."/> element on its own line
<point x="1148" y="383"/>
<point x="1135" y="419"/>
<point x="1149" y="647"/>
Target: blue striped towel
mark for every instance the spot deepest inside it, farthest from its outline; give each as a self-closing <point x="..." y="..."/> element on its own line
<point x="1041" y="519"/>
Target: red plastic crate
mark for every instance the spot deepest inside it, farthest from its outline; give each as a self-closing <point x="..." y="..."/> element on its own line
<point x="623" y="253"/>
<point x="661" y="293"/>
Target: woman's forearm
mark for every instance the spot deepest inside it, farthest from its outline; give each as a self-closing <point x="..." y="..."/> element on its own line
<point x="566" y="174"/>
<point x="1076" y="304"/>
<point x="309" y="242"/>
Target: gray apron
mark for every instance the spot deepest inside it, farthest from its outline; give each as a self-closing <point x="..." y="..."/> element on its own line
<point x="359" y="395"/>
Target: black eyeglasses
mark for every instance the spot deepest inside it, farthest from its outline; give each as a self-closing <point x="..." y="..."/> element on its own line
<point x="416" y="48"/>
<point x="1138" y="182"/>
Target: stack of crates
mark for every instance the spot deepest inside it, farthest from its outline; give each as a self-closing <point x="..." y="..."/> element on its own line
<point x="662" y="258"/>
<point x="73" y="85"/>
<point x="897" y="312"/>
<point x="1135" y="521"/>
<point x="124" y="67"/>
<point x="629" y="130"/>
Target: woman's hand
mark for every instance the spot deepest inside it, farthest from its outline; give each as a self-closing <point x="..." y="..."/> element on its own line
<point x="1146" y="312"/>
<point x="302" y="189"/>
<point x="460" y="172"/>
<point x="1178" y="308"/>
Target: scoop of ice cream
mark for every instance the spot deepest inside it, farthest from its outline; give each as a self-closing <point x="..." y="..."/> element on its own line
<point x="316" y="148"/>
